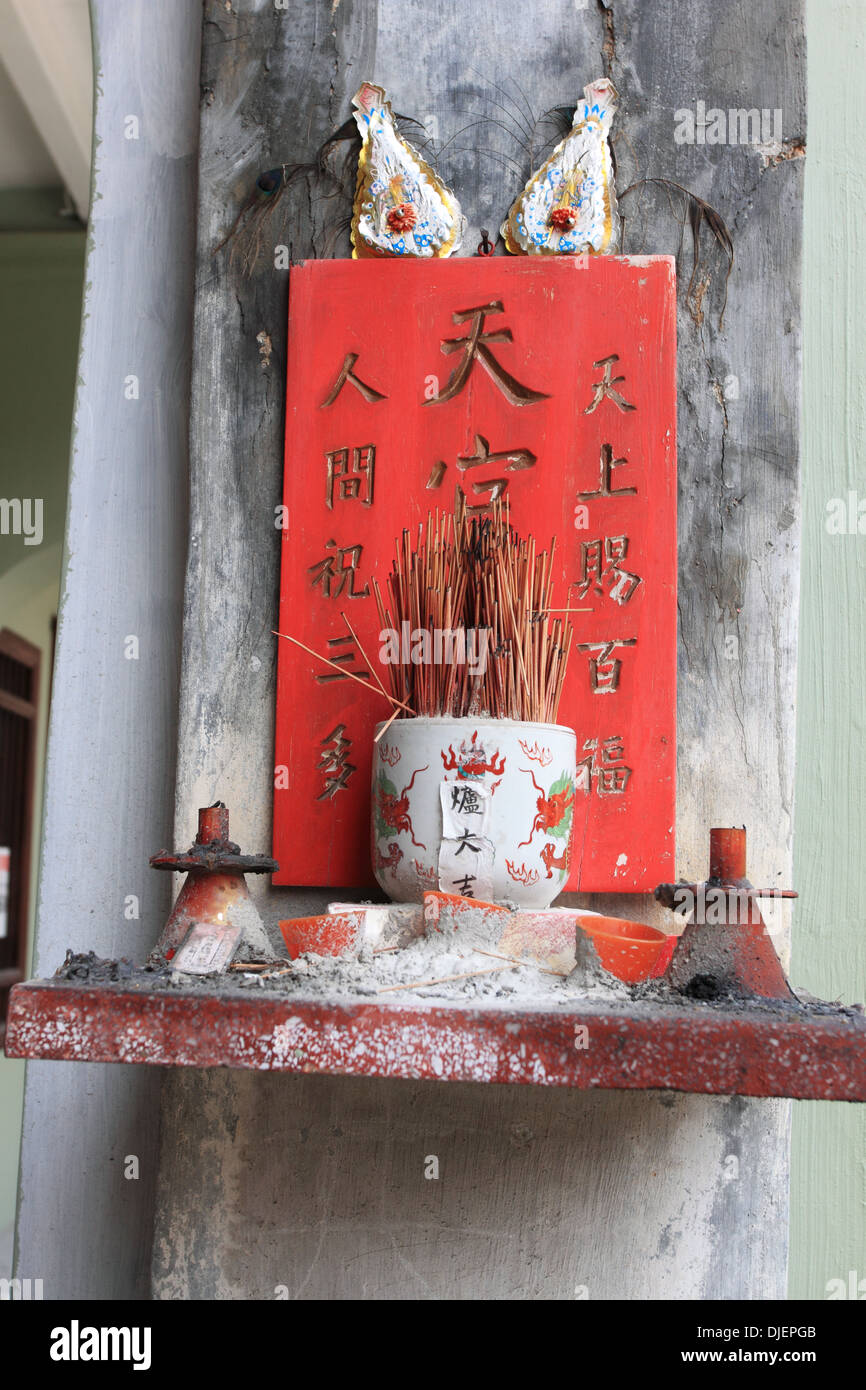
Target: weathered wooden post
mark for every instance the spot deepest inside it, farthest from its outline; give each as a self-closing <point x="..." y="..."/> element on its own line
<point x="630" y="1193"/>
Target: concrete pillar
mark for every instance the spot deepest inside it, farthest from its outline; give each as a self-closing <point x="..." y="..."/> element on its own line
<point x="83" y="1228"/>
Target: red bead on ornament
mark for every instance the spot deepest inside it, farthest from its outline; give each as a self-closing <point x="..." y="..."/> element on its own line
<point x="563" y="219"/>
<point x="402" y="218"/>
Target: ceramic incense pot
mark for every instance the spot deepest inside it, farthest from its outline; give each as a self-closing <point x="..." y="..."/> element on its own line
<point x="480" y="807"/>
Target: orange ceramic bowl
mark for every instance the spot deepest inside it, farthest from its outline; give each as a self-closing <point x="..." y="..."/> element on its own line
<point x="329" y="934"/>
<point x="629" y="950"/>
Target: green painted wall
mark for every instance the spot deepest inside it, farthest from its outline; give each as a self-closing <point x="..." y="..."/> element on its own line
<point x="828" y="1180"/>
<point x="41" y="283"/>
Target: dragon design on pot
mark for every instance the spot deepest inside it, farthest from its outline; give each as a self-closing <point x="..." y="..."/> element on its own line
<point x="551" y="860"/>
<point x="392" y="811"/>
<point x="553" y="809"/>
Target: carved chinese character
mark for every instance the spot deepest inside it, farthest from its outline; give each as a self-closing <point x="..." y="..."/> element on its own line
<point x="516" y="460"/>
<point x="606" y="765"/>
<point x="604" y="671"/>
<point x="337" y="571"/>
<point x="347" y="373"/>
<point x="606" y="388"/>
<point x="600" y="560"/>
<point x="344" y="659"/>
<point x="351" y="471"/>
<point x="607" y="464"/>
<point x="475" y="348"/>
<point x="334" y="762"/>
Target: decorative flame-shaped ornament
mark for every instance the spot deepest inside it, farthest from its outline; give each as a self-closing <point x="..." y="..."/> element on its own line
<point x="401" y="207"/>
<point x="569" y="205"/>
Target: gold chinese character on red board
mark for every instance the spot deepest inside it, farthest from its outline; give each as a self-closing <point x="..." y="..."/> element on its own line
<point x="604" y="667"/>
<point x="606" y="765"/>
<point x="335" y="574"/>
<point x="344" y="659"/>
<point x="346" y="374"/>
<point x="606" y="388"/>
<point x="607" y="463"/>
<point x="334" y="762"/>
<point x="600" y="561"/>
<point x="350" y="474"/>
<point x="475" y="347"/>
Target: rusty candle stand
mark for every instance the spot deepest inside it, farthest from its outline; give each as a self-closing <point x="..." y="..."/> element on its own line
<point x="730" y="953"/>
<point x="215" y="890"/>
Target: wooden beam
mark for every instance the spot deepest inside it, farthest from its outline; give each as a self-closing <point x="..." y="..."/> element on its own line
<point x="277" y="81"/>
<point x="15" y="705"/>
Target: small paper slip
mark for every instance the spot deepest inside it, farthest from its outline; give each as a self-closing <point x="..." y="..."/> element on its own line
<point x="466" y="854"/>
<point x="207" y="948"/>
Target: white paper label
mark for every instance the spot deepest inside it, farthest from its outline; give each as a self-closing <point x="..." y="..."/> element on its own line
<point x="207" y="949"/>
<point x="466" y="854"/>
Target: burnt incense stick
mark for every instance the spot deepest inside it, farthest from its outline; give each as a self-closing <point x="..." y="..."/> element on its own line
<point x="474" y="630"/>
<point x="545" y="970"/>
<point x="386" y="726"/>
<point x="365" y="656"/>
<point x="342" y="670"/>
<point x="445" y="979"/>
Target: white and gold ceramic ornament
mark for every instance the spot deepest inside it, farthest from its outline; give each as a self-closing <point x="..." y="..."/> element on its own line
<point x="569" y="205"/>
<point x="401" y="207"/>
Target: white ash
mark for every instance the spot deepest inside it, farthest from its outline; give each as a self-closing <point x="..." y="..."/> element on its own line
<point x="451" y="952"/>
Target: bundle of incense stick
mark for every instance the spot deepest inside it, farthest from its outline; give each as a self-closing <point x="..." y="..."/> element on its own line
<point x="482" y="595"/>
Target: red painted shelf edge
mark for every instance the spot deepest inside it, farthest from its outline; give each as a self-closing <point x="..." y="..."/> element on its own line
<point x="701" y="1050"/>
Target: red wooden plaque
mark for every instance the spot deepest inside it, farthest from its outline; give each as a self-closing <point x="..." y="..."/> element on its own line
<point x="555" y="379"/>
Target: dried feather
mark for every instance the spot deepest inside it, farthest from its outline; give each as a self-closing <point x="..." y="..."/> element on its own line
<point x="256" y="212"/>
<point x="526" y="112"/>
<point x="697" y="213"/>
<point x="561" y="117"/>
